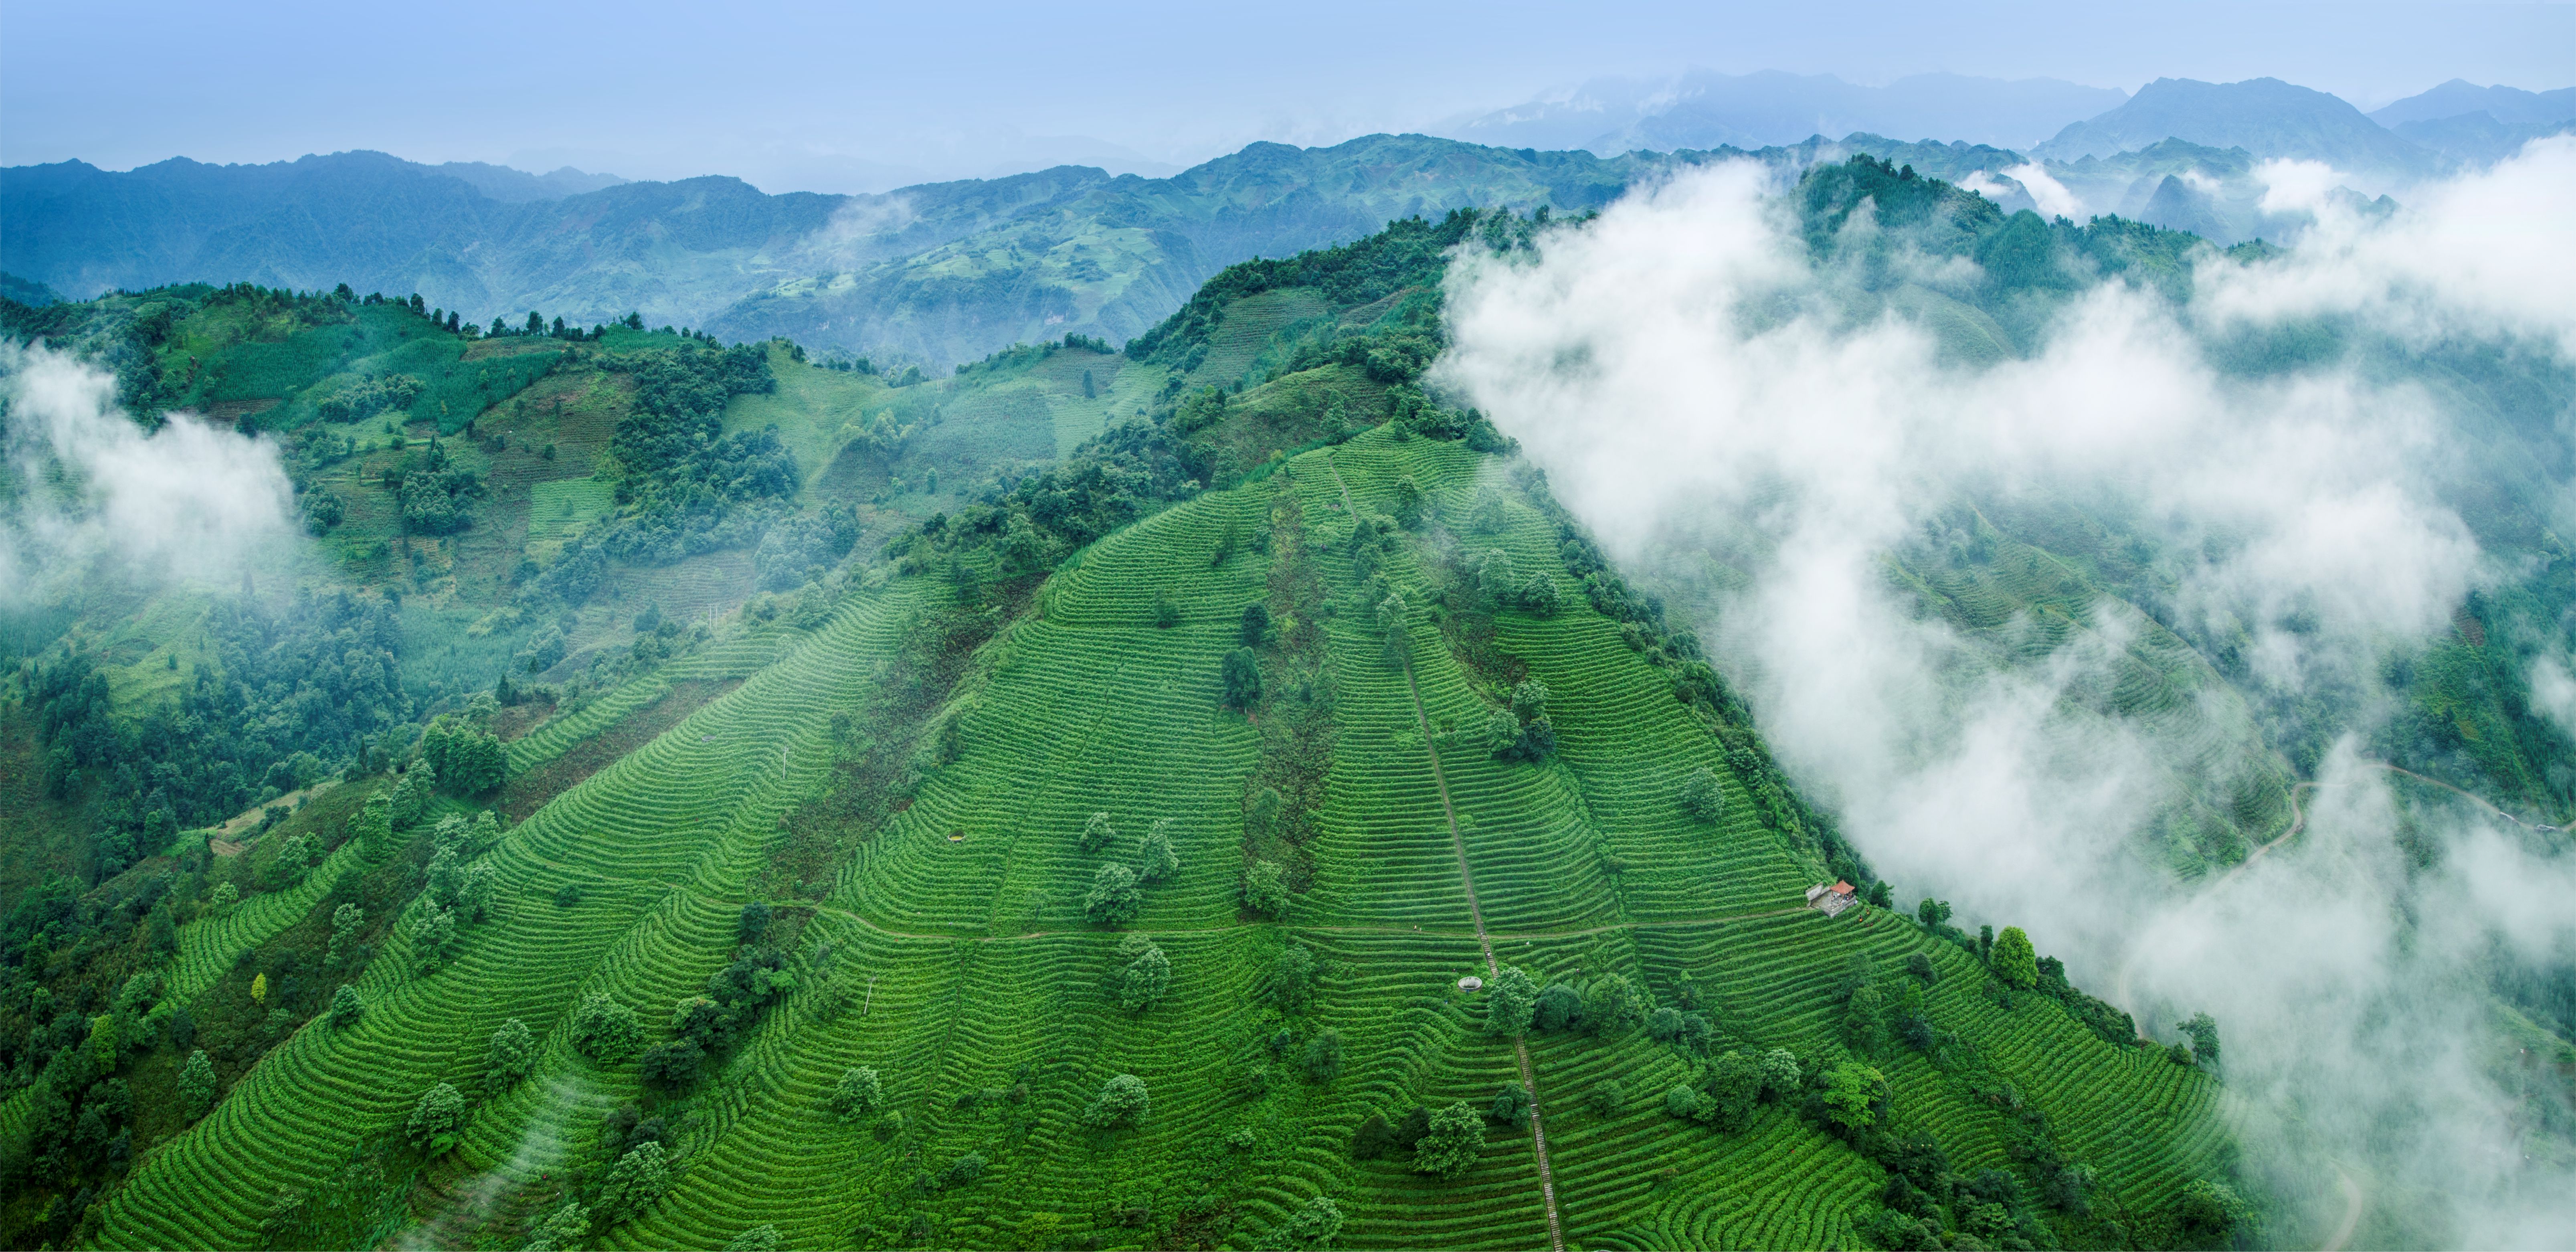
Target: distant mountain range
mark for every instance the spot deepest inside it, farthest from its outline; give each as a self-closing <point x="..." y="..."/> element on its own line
<point x="1707" y="110"/>
<point x="935" y="273"/>
<point x="946" y="272"/>
<point x="2265" y="116"/>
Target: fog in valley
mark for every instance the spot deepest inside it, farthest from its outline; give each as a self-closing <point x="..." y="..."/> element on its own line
<point x="1765" y="435"/>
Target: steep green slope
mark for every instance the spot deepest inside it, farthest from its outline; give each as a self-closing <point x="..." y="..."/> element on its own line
<point x="963" y="969"/>
<point x="905" y="774"/>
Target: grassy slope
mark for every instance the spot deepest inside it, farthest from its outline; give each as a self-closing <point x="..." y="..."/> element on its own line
<point x="980" y="963"/>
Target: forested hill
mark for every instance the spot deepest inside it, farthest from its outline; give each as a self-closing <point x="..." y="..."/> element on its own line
<point x="934" y="275"/>
<point x="1255" y="815"/>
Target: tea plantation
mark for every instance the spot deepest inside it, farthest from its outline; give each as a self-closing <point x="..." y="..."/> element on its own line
<point x="952" y="954"/>
<point x="1205" y="794"/>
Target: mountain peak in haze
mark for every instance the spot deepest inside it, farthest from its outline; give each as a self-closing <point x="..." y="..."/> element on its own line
<point x="2509" y="105"/>
<point x="2266" y="117"/>
<point x="1702" y="109"/>
<point x="516" y="186"/>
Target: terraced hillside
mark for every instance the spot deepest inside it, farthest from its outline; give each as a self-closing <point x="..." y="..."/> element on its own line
<point x="953" y="955"/>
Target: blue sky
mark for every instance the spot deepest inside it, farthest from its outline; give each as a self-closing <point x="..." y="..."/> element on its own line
<point x="834" y="97"/>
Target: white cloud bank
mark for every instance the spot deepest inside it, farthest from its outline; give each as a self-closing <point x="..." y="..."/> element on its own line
<point x="92" y="489"/>
<point x="1682" y="371"/>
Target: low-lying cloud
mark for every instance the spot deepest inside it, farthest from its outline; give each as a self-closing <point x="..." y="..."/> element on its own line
<point x="1701" y="391"/>
<point x="92" y="490"/>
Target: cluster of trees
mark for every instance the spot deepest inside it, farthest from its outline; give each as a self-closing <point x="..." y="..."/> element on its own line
<point x="797" y="549"/>
<point x="1523" y="732"/>
<point x="1019" y="354"/>
<point x="2016" y="966"/>
<point x="706" y="1026"/>
<point x="357" y="401"/>
<point x="1611" y="1005"/>
<point x="679" y="476"/>
<point x="1490" y="583"/>
<point x="1444" y="1141"/>
<point x="433" y="493"/>
<point x="460" y="888"/>
<point x="79" y="1050"/>
<point x="1117" y="892"/>
<point x="273" y="703"/>
<point x="1731" y="1087"/>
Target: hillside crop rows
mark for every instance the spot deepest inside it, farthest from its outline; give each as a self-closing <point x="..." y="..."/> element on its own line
<point x="952" y="953"/>
<point x="658" y="841"/>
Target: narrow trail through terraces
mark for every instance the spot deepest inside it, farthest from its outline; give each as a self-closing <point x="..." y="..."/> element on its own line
<point x="1476" y="914"/>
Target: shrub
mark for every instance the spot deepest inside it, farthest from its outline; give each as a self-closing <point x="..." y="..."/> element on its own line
<point x="562" y="1230"/>
<point x="1114" y="898"/>
<point x="347" y="1005"/>
<point x="635" y="1182"/>
<point x="1156" y="860"/>
<point x="965" y="1169"/>
<point x="436" y="1117"/>
<point x="1702" y="798"/>
<point x="1147" y="976"/>
<point x="2014" y="960"/>
<point x="1511" y="1106"/>
<point x="1242" y="671"/>
<point x="1682" y="1101"/>
<point x="1323" y="1058"/>
<point x="1122" y="1099"/>
<point x="1450" y="1145"/>
<point x="1292" y="979"/>
<point x="605" y="1030"/>
<point x="1608" y="1098"/>
<point x="856" y="1095"/>
<point x="513" y="1054"/>
<point x="1166" y="613"/>
<point x="760" y="1238"/>
<point x="1560" y="1007"/>
<point x="1097" y="833"/>
<point x="1316" y="1223"/>
<point x="1265" y="889"/>
<point x="1510" y="1002"/>
<point x="197" y="1085"/>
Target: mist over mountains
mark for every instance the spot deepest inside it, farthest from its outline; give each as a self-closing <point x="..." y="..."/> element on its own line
<point x="1716" y="661"/>
<point x="940" y="273"/>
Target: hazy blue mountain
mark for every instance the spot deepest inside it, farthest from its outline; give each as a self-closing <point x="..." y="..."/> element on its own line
<point x="1110" y="257"/>
<point x="932" y="274"/>
<point x="2508" y="105"/>
<point x="2477" y="138"/>
<point x="935" y="273"/>
<point x="32" y="294"/>
<point x="2266" y="117"/>
<point x="519" y="186"/>
<point x="1708" y="110"/>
